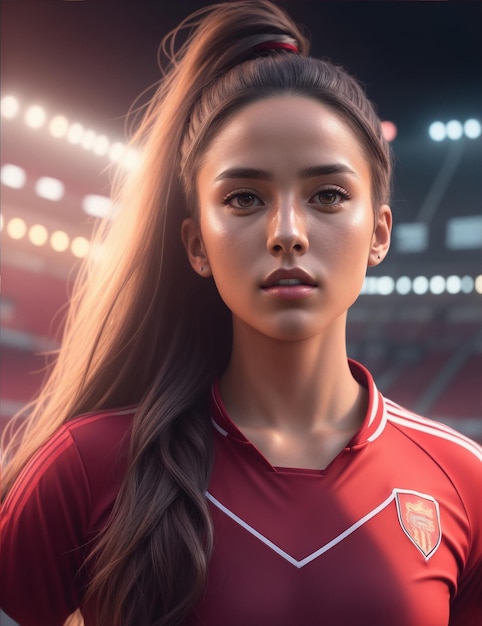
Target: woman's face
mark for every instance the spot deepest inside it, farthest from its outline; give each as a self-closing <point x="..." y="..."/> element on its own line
<point x="286" y="223"/>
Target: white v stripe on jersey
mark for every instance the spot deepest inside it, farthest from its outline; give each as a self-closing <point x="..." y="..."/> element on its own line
<point x="313" y="555"/>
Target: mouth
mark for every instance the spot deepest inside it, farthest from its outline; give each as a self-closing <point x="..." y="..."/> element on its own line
<point x="295" y="277"/>
<point x="288" y="282"/>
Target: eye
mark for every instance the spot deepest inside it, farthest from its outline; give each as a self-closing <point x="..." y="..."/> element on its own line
<point x="243" y="200"/>
<point x="330" y="197"/>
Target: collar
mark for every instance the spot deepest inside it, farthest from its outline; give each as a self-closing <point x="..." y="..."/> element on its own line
<point x="371" y="428"/>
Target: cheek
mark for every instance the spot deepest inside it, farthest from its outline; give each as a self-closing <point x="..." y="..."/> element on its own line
<point x="351" y="235"/>
<point x="225" y="242"/>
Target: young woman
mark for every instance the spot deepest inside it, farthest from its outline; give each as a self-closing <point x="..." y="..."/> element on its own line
<point x="204" y="452"/>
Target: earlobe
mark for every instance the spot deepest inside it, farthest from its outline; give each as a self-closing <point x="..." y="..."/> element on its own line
<point x="381" y="236"/>
<point x="194" y="246"/>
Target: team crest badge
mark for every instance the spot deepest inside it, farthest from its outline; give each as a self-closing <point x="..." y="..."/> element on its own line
<point x="419" y="517"/>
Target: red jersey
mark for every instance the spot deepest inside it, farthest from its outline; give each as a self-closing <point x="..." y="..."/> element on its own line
<point x="389" y="533"/>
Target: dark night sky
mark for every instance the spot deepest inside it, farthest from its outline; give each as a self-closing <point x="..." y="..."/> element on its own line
<point x="419" y="60"/>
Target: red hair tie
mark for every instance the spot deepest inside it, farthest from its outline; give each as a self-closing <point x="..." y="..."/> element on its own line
<point x="276" y="45"/>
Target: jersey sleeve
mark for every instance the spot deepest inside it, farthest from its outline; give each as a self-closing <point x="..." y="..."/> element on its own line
<point x="466" y="609"/>
<point x="43" y="529"/>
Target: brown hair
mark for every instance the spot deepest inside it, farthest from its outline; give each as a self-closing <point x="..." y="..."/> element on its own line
<point x="145" y="330"/>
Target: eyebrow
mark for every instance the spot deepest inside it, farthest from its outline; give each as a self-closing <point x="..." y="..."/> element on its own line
<point x="308" y="172"/>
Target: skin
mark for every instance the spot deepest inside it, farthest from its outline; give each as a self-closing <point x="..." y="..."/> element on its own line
<point x="307" y="205"/>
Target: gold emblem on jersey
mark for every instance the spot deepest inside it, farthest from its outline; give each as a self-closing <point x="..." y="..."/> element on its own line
<point x="419" y="518"/>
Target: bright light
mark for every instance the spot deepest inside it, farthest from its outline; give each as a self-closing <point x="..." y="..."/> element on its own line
<point x="59" y="241"/>
<point x="453" y="284"/>
<point x="472" y="129"/>
<point x="74" y="134"/>
<point x="38" y="235"/>
<point x="403" y="285"/>
<point x="385" y="285"/>
<point x="116" y="151"/>
<point x="88" y="140"/>
<point x="369" y="286"/>
<point x="131" y="159"/>
<point x="9" y="107"/>
<point x="437" y="285"/>
<point x="16" y="228"/>
<point x="13" y="176"/>
<point x="59" y="126"/>
<point x="97" y="206"/>
<point x="35" y="116"/>
<point x="478" y="284"/>
<point x="437" y="131"/>
<point x="49" y="188"/>
<point x="101" y="145"/>
<point x="454" y="130"/>
<point x="420" y="285"/>
<point x="80" y="247"/>
<point x="467" y="284"/>
<point x="389" y="130"/>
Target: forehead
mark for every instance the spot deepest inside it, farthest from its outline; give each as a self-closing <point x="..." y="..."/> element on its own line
<point x="285" y="132"/>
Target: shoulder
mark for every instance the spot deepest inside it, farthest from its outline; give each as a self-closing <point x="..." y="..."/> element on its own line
<point x="76" y="458"/>
<point x="435" y="438"/>
<point x="100" y="438"/>
<point x="101" y="442"/>
<point x="449" y="452"/>
<point x="57" y="506"/>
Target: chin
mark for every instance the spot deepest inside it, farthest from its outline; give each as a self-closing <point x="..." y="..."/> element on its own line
<point x="293" y="330"/>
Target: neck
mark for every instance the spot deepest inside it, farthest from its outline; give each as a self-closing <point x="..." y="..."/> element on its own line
<point x="296" y="386"/>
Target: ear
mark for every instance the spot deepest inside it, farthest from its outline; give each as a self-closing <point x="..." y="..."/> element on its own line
<point x="193" y="243"/>
<point x="381" y="236"/>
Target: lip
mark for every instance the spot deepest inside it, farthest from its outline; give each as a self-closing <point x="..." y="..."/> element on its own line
<point x="295" y="273"/>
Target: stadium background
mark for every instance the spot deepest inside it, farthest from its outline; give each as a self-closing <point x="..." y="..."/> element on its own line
<point x="72" y="69"/>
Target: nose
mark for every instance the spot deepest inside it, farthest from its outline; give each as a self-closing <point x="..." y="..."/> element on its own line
<point x="287" y="231"/>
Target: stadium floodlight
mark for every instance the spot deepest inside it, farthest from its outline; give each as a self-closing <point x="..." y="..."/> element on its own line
<point x="478" y="284"/>
<point x="385" y="285"/>
<point x="16" y="228"/>
<point x="437" y="131"/>
<point x="472" y="129"/>
<point x="88" y="139"/>
<point x="101" y="145"/>
<point x="80" y="247"/>
<point x="454" y="129"/>
<point x="35" y="116"/>
<point x="467" y="284"/>
<point x="50" y="188"/>
<point x="38" y="235"/>
<point x="75" y="133"/>
<point x="420" y="285"/>
<point x="116" y="151"/>
<point x="437" y="285"/>
<point x="96" y="206"/>
<point x="59" y="240"/>
<point x="58" y="127"/>
<point x="13" y="176"/>
<point x="403" y="285"/>
<point x="453" y="284"/>
<point x="9" y="107"/>
<point x="369" y="286"/>
<point x="389" y="130"/>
